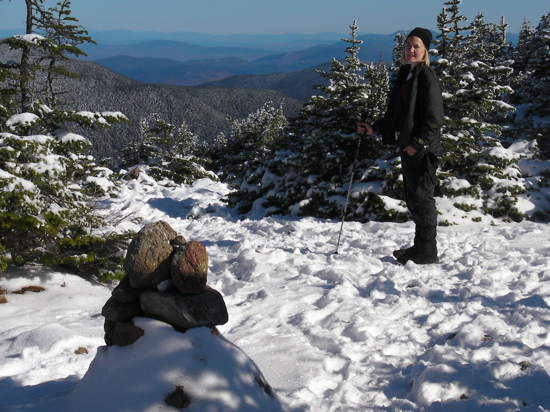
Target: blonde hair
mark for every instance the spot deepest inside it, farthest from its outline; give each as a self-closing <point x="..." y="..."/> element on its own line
<point x="425" y="59"/>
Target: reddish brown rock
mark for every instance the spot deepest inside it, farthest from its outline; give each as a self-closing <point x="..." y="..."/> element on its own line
<point x="189" y="268"/>
<point x="147" y="262"/>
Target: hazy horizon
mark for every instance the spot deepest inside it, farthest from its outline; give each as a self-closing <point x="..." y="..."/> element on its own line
<point x="249" y="17"/>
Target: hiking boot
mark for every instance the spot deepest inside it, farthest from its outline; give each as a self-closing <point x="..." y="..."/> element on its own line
<point x="402" y="253"/>
<point x="418" y="259"/>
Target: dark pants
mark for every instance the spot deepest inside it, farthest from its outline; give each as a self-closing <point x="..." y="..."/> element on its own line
<point x="419" y="182"/>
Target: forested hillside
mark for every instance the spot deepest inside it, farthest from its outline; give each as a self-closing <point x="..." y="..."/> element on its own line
<point x="298" y="85"/>
<point x="204" y="110"/>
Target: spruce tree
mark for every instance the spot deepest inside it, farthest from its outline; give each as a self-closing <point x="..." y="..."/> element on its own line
<point x="247" y="151"/>
<point x="537" y="68"/>
<point x="251" y="141"/>
<point x="169" y="153"/>
<point x="322" y="139"/>
<point x="49" y="183"/>
<point x="531" y="84"/>
<point x="489" y="56"/>
<point x="524" y="48"/>
<point x="520" y="55"/>
<point x="310" y="169"/>
<point x="63" y="36"/>
<point x="473" y="70"/>
<point x="473" y="75"/>
<point x="397" y="54"/>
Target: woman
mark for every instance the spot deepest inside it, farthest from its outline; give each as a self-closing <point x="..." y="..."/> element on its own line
<point x="412" y="122"/>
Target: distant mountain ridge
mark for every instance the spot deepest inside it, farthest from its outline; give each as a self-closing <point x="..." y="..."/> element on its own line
<point x="297" y="85"/>
<point x="272" y="42"/>
<point x="185" y="64"/>
<point x="169" y="49"/>
<point x="192" y="59"/>
<point x="149" y="62"/>
<point x="183" y="51"/>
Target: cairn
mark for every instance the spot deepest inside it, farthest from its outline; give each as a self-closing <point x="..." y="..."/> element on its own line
<point x="166" y="280"/>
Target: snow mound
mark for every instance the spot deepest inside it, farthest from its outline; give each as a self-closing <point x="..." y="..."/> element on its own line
<point x="206" y="367"/>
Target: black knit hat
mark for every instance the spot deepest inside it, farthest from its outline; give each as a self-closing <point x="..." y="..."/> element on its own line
<point x="423" y="34"/>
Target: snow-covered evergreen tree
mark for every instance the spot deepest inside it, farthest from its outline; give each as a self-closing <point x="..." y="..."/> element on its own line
<point x="63" y="36"/>
<point x="397" y="54"/>
<point x="469" y="76"/>
<point x="170" y="153"/>
<point x="473" y="73"/>
<point x="524" y="48"/>
<point x="251" y="142"/>
<point x="536" y="79"/>
<point x="247" y="151"/>
<point x="531" y="85"/>
<point x="48" y="180"/>
<point x="311" y="168"/>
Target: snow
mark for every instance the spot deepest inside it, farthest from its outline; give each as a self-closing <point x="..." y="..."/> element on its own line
<point x="100" y="117"/>
<point x="22" y="119"/>
<point x="15" y="181"/>
<point x="457" y="184"/>
<point x="329" y="332"/>
<point x="67" y="137"/>
<point x="30" y="38"/>
<point x="117" y="114"/>
<point x="502" y="153"/>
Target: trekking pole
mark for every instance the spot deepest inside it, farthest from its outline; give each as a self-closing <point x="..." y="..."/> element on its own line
<point x="349" y="190"/>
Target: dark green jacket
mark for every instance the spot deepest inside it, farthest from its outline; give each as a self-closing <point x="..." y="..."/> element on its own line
<point x="422" y="125"/>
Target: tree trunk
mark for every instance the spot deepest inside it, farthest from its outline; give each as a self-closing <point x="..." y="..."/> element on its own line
<point x="25" y="70"/>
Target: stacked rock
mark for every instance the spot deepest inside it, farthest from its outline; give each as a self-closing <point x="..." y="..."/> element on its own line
<point x="166" y="280"/>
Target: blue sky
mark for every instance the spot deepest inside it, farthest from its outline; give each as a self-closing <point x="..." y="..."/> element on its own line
<point x="277" y="16"/>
